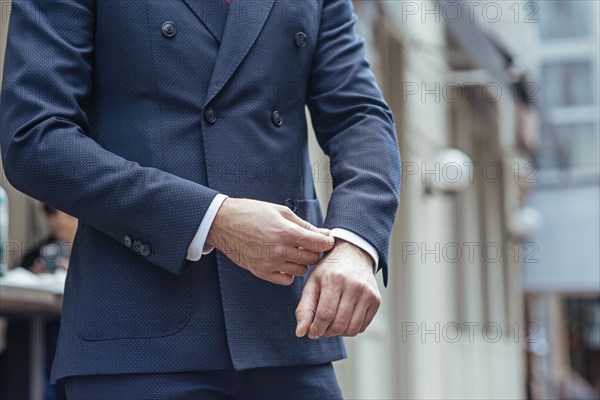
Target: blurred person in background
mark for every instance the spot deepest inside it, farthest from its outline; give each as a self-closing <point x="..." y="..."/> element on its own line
<point x="54" y="251"/>
<point x="47" y="256"/>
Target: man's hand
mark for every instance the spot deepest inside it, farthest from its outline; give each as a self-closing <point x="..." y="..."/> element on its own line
<point x="341" y="296"/>
<point x="267" y="239"/>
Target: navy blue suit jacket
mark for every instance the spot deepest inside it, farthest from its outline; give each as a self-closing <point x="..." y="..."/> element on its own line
<point x="104" y="115"/>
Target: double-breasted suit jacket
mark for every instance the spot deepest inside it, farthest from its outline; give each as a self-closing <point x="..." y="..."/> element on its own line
<point x="132" y="115"/>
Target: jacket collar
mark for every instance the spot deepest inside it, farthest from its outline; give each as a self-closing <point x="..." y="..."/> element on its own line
<point x="245" y="20"/>
<point x="212" y="13"/>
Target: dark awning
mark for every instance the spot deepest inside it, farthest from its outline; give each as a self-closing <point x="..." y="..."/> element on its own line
<point x="484" y="51"/>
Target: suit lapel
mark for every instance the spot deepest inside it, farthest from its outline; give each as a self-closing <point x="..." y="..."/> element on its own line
<point x="212" y="13"/>
<point x="244" y="22"/>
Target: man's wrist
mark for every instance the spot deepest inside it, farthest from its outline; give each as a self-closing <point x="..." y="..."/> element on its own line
<point x="360" y="242"/>
<point x="199" y="246"/>
<point x="215" y="234"/>
<point x="357" y="253"/>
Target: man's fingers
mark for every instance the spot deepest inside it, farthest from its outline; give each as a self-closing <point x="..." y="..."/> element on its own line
<point x="324" y="231"/>
<point x="299" y="255"/>
<point x="308" y="236"/>
<point x="294" y="269"/>
<point x="313" y="241"/>
<point x="342" y="316"/>
<point x="280" y="278"/>
<point x="326" y="310"/>
<point x="357" y="319"/>
<point x="369" y="315"/>
<point x="292" y="217"/>
<point x="305" y="312"/>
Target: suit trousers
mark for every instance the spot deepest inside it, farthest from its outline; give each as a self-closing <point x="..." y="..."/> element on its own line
<point x="290" y="382"/>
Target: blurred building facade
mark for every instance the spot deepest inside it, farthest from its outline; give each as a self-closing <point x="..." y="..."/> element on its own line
<point x="451" y="325"/>
<point x="563" y="282"/>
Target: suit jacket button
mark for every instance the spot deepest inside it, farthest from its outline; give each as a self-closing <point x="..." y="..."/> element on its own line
<point x="210" y="115"/>
<point x="168" y="29"/>
<point x="300" y="39"/>
<point x="276" y="118"/>
<point x="127" y="240"/>
<point x="292" y="204"/>
<point x="136" y="246"/>
<point x="144" y="249"/>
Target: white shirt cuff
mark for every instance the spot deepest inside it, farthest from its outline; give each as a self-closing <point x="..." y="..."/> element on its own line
<point x="359" y="242"/>
<point x="197" y="248"/>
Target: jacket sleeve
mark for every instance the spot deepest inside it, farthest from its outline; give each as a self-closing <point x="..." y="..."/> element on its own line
<point x="47" y="152"/>
<point x="355" y="128"/>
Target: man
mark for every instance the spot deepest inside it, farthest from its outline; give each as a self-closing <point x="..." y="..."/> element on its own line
<point x="172" y="128"/>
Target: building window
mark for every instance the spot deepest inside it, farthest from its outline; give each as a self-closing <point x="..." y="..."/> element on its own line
<point x="564" y="19"/>
<point x="567" y="83"/>
<point x="571" y="146"/>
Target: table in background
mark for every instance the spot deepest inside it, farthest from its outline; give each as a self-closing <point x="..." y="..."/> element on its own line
<point x="36" y="305"/>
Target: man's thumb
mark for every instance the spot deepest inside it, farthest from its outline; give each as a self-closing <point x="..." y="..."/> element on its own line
<point x="305" y="312"/>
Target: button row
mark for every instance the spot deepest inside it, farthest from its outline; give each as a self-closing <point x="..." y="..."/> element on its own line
<point x="169" y="29"/>
<point x="137" y="246"/>
<point x="211" y="117"/>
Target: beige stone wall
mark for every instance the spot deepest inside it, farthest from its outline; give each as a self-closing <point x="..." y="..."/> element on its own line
<point x="385" y="362"/>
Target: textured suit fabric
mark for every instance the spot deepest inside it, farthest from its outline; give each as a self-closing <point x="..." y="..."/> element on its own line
<point x="277" y="383"/>
<point x="104" y="115"/>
